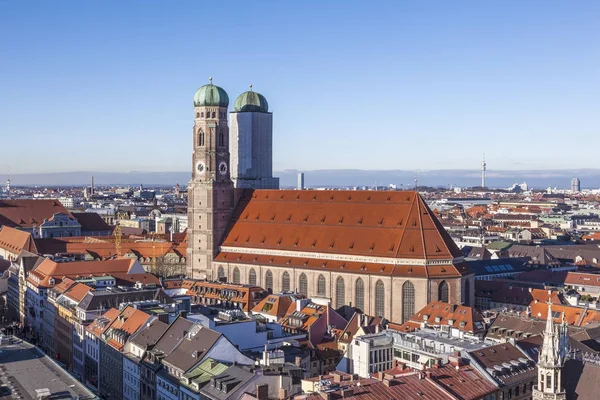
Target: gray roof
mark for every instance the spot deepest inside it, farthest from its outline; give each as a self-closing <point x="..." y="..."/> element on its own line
<point x="173" y="335"/>
<point x="228" y="384"/>
<point x="149" y="336"/>
<point x="193" y="348"/>
<point x="106" y="299"/>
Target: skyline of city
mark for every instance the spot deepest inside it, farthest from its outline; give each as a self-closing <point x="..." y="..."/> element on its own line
<point x="438" y="75"/>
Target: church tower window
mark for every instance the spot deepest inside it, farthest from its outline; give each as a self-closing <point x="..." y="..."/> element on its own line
<point x="379" y="299"/>
<point x="303" y="284"/>
<point x="252" y="277"/>
<point x="359" y="294"/>
<point x="340" y="292"/>
<point x="221" y="139"/>
<point x="443" y="292"/>
<point x="321" y="286"/>
<point x="236" y="275"/>
<point x="269" y="281"/>
<point x="285" y="282"/>
<point x="408" y="301"/>
<point x="200" y="138"/>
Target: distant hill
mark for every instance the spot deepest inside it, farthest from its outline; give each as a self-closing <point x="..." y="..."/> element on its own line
<point x="590" y="178"/>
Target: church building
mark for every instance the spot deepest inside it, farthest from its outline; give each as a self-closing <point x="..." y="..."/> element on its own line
<point x="383" y="252"/>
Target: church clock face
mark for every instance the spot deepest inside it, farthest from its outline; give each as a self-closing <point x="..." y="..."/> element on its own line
<point x="222" y="167"/>
<point x="200" y="167"/>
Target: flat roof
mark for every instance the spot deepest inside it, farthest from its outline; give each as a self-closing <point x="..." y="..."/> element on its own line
<point x="27" y="371"/>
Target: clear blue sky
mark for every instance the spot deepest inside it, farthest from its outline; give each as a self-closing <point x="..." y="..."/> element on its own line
<point x="108" y="85"/>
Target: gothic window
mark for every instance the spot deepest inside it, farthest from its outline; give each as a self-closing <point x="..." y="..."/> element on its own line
<point x="359" y="294"/>
<point x="200" y="138"/>
<point x="221" y="273"/>
<point x="213" y="114"/>
<point x="221" y="139"/>
<point x="408" y="301"/>
<point x="236" y="275"/>
<point x="197" y="115"/>
<point x="269" y="281"/>
<point x="379" y="299"/>
<point x="285" y="282"/>
<point x="252" y="277"/>
<point x="321" y="286"/>
<point x="340" y="292"/>
<point x="443" y="291"/>
<point x="202" y="114"/>
<point x="303" y="284"/>
<point x="466" y="293"/>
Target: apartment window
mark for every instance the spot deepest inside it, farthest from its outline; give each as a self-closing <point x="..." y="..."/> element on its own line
<point x="340" y="292"/>
<point x="321" y="285"/>
<point x="379" y="299"/>
<point x="303" y="284"/>
<point x="359" y="294"/>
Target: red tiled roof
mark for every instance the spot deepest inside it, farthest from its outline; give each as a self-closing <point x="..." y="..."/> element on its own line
<point x="77" y="292"/>
<point x="367" y="223"/>
<point x="97" y="328"/>
<point x="465" y="318"/>
<point x="582" y="279"/>
<point x="129" y="321"/>
<point x="27" y="213"/>
<point x="15" y="240"/>
<point x="50" y="269"/>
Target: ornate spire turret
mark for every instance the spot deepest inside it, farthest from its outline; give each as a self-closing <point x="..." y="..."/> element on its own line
<point x="552" y="359"/>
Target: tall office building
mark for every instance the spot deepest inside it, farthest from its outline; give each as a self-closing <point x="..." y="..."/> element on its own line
<point x="575" y="185"/>
<point x="251" y="143"/>
<point x="300" y="185"/>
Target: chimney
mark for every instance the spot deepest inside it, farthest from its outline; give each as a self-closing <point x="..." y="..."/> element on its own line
<point x="348" y="392"/>
<point x="337" y="378"/>
<point x="283" y="394"/>
<point x="262" y="392"/>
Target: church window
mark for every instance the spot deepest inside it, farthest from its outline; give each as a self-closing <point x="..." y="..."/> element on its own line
<point x="236" y="275"/>
<point x="321" y="285"/>
<point x="443" y="291"/>
<point x="466" y="292"/>
<point x="252" y="277"/>
<point x="200" y="138"/>
<point x="359" y="294"/>
<point x="213" y="114"/>
<point x="202" y="114"/>
<point x="197" y="115"/>
<point x="340" y="292"/>
<point x="379" y="299"/>
<point x="269" y="281"/>
<point x="303" y="284"/>
<point x="221" y="139"/>
<point x="285" y="282"/>
<point x="221" y="273"/>
<point x="408" y="301"/>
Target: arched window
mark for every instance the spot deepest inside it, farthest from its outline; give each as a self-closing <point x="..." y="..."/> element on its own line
<point x="252" y="277"/>
<point x="466" y="293"/>
<point x="197" y="115"/>
<point x="340" y="292"/>
<point x="269" y="281"/>
<point x="236" y="275"/>
<point x="379" y="299"/>
<point x="214" y="114"/>
<point x="221" y="273"/>
<point x="443" y="291"/>
<point x="321" y="291"/>
<point x="202" y="114"/>
<point x="200" y="138"/>
<point x="221" y="139"/>
<point x="303" y="284"/>
<point x="285" y="282"/>
<point x="408" y="301"/>
<point x="359" y="294"/>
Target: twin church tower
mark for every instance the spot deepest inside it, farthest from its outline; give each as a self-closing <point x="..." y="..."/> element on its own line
<point x="225" y="160"/>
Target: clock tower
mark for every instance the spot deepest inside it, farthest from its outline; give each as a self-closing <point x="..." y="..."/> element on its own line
<point x="210" y="191"/>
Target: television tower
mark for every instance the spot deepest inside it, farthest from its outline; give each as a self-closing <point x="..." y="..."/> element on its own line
<point x="483" y="165"/>
<point x="8" y="181"/>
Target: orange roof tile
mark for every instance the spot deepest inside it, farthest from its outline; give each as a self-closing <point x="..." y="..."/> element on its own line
<point x="439" y="313"/>
<point x="77" y="292"/>
<point x="27" y="213"/>
<point x="50" y="269"/>
<point x="368" y="223"/>
<point x="15" y="240"/>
